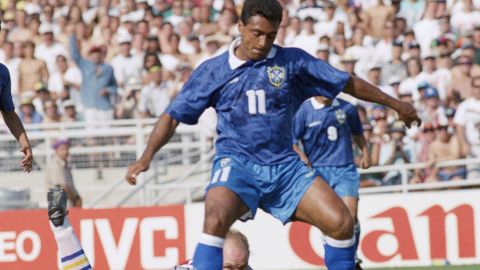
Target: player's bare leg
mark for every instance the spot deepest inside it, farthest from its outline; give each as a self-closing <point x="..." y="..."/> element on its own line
<point x="222" y="208"/>
<point x="322" y="208"/>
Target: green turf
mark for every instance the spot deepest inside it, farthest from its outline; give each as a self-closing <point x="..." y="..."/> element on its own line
<point x="464" y="267"/>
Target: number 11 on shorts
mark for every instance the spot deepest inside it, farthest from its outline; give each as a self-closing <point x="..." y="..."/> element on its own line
<point x="221" y="175"/>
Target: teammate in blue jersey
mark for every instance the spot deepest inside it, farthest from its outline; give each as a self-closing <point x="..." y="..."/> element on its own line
<point x="11" y="119"/>
<point x="326" y="129"/>
<point x="255" y="88"/>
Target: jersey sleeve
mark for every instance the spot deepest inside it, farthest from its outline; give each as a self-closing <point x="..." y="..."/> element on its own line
<point x="318" y="78"/>
<point x="195" y="96"/>
<point x="354" y="121"/>
<point x="6" y="102"/>
<point x="298" y="125"/>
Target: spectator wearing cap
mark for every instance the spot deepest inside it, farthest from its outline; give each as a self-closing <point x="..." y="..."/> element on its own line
<point x="396" y="67"/>
<point x="65" y="82"/>
<point x="28" y="114"/>
<point x="461" y="77"/>
<point x="432" y="110"/>
<point x="395" y="151"/>
<point x="99" y="86"/>
<point x="348" y="63"/>
<point x="59" y="172"/>
<point x="310" y="8"/>
<point x="411" y="82"/>
<point x="69" y="114"/>
<point x="441" y="79"/>
<point x="31" y="69"/>
<point x="156" y="96"/>
<point x="445" y="147"/>
<point x="413" y="51"/>
<point x="467" y="119"/>
<point x="42" y="94"/>
<point x="125" y="65"/>
<point x="393" y="87"/>
<point x="323" y="52"/>
<point x="49" y="49"/>
<point x="375" y="18"/>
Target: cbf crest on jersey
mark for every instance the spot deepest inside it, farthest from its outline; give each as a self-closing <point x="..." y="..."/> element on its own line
<point x="276" y="75"/>
<point x="341" y="116"/>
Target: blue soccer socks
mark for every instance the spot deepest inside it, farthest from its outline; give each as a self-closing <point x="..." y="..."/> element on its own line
<point x="340" y="254"/>
<point x="209" y="253"/>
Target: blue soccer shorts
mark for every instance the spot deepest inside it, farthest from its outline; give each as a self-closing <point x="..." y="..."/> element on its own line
<point x="344" y="180"/>
<point x="277" y="189"/>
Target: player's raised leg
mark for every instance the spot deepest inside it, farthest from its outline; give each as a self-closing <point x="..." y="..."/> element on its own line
<point x="222" y="208"/>
<point x="322" y="208"/>
<point x="71" y="253"/>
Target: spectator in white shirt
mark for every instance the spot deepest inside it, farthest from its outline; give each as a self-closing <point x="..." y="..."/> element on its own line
<point x="308" y="39"/>
<point x="156" y="96"/>
<point x="49" y="49"/>
<point x="65" y="82"/>
<point x="466" y="19"/>
<point x="467" y="119"/>
<point x="428" y="28"/>
<point x="125" y="65"/>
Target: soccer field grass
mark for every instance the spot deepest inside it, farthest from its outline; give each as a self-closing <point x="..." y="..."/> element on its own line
<point x="463" y="267"/>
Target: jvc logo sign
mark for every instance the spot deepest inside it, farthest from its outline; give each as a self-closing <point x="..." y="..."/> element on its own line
<point x="117" y="250"/>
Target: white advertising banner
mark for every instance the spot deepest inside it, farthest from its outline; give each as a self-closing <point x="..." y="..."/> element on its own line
<point x="412" y="229"/>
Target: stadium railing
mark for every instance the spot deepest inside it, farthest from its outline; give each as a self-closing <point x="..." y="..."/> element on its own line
<point x="116" y="143"/>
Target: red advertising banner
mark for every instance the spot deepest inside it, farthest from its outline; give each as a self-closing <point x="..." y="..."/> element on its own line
<point x="122" y="238"/>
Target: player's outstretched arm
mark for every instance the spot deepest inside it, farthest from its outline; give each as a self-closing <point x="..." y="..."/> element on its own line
<point x="160" y="135"/>
<point x="16" y="127"/>
<point x="368" y="92"/>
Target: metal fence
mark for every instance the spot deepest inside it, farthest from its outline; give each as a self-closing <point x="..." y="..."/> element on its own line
<point x="106" y="145"/>
<point x="117" y="143"/>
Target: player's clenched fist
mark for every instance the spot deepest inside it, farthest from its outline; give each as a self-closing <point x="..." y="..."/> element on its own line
<point x="134" y="169"/>
<point x="408" y="115"/>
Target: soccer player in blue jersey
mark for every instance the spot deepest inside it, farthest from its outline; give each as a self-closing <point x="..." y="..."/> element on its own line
<point x="326" y="129"/>
<point x="255" y="88"/>
<point x="11" y="119"/>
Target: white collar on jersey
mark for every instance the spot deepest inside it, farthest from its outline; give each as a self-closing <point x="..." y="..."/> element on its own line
<point x="316" y="105"/>
<point x="235" y="62"/>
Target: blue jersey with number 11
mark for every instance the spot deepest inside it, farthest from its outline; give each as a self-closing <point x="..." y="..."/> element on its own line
<point x="256" y="100"/>
<point x="326" y="131"/>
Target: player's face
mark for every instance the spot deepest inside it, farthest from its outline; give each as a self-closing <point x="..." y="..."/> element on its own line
<point x="258" y="36"/>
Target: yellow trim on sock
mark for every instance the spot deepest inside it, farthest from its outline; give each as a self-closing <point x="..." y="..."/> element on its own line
<point x="75" y="264"/>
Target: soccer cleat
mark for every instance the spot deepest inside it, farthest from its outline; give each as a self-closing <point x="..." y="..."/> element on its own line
<point x="357" y="264"/>
<point x="57" y="205"/>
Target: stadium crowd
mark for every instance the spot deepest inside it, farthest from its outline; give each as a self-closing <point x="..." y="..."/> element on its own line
<point x="97" y="60"/>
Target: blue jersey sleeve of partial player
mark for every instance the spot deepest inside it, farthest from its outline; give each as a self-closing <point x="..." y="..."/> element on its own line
<point x="354" y="120"/>
<point x="316" y="77"/>
<point x="195" y="96"/>
<point x="298" y="125"/>
<point x="6" y="102"/>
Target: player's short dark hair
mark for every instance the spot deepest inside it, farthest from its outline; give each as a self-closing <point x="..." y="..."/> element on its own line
<point x="269" y="9"/>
